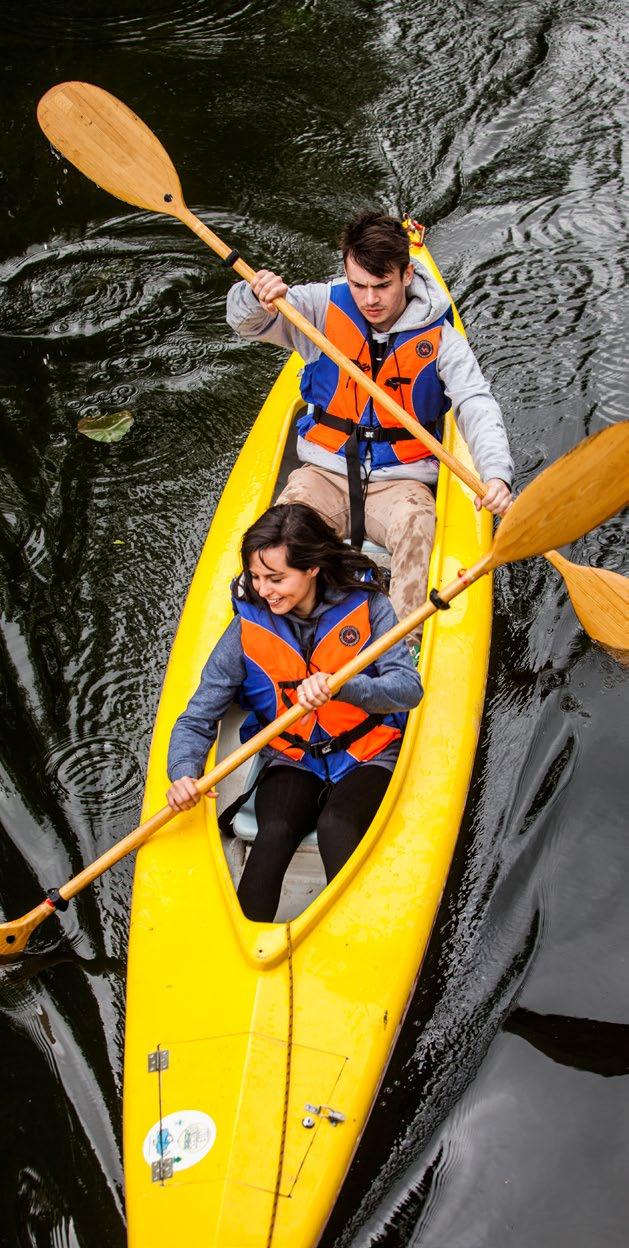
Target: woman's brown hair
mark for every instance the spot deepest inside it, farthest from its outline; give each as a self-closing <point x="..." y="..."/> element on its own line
<point x="310" y="543"/>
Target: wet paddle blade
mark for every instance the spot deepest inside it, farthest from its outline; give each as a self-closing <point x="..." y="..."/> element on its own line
<point x="110" y="145"/>
<point x="600" y="600"/>
<point x="14" y="935"/>
<point x="572" y="496"/>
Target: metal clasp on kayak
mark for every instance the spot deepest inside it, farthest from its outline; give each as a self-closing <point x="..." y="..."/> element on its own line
<point x="162" y="1169"/>
<point x="334" y="1116"/>
<point x="158" y="1061"/>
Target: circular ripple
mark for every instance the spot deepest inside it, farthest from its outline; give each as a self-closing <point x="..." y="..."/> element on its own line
<point x="98" y="773"/>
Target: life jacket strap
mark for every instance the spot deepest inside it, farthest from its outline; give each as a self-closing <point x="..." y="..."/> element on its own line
<point x="283" y="685"/>
<point x="362" y="433"/>
<point x="394" y="383"/>
<point x="355" y="434"/>
<point x="321" y="749"/>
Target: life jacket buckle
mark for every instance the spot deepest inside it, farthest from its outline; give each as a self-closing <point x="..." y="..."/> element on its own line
<point x="320" y="749"/>
<point x="394" y="383"/>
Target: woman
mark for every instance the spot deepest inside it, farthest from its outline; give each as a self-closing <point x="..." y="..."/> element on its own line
<point x="301" y="612"/>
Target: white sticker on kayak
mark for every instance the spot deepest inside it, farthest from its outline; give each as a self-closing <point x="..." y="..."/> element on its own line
<point x="183" y="1138"/>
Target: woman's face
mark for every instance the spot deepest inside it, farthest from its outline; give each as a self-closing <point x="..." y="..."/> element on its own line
<point x="281" y="587"/>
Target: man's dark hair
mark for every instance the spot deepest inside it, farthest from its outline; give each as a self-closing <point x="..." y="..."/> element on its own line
<point x="376" y="242"/>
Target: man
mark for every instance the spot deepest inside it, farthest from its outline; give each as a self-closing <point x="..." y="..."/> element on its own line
<point x="364" y="474"/>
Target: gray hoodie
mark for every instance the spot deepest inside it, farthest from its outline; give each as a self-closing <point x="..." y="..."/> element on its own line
<point x="476" y="411"/>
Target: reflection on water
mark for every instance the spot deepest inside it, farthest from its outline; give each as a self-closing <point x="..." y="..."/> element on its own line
<point x="585" y="1043"/>
<point x="502" y="133"/>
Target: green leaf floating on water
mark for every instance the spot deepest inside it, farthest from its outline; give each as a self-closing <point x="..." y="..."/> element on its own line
<point x="109" y="428"/>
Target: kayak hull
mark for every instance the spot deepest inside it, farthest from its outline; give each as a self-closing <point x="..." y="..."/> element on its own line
<point x="254" y="1051"/>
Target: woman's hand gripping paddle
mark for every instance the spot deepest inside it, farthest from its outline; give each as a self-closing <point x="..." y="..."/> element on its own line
<point x="110" y="145"/>
<point x="565" y="501"/>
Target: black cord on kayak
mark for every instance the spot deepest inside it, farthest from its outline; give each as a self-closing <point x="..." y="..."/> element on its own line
<point x="55" y="899"/>
<point x="438" y="602"/>
<point x="230" y="260"/>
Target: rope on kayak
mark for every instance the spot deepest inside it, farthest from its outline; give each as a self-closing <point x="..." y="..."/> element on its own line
<point x="289" y="1057"/>
<point x="161" y="1119"/>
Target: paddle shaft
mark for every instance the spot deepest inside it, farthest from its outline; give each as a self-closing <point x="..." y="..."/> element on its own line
<point x="310" y="331"/>
<point x="573" y="495"/>
<point x="72" y="134"/>
<point x="266" y="735"/>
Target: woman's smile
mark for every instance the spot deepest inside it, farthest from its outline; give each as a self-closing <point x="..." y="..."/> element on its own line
<point x="280" y="586"/>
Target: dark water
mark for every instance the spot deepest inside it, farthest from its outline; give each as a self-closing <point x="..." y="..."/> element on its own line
<point x="501" y="125"/>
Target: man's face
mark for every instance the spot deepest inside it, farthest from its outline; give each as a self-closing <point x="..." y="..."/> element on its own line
<point x="380" y="299"/>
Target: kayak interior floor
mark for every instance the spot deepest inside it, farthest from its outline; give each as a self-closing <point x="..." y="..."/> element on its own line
<point x="305" y="877"/>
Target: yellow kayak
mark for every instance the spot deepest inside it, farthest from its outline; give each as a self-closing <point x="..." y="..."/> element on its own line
<point x="254" y="1051"/>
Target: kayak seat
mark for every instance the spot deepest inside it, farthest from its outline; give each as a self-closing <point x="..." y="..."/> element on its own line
<point x="378" y="553"/>
<point x="374" y="552"/>
<point x="245" y="825"/>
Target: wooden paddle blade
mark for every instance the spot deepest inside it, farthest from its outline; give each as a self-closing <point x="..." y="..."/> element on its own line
<point x="572" y="496"/>
<point x="14" y="936"/>
<point x="600" y="600"/>
<point x="110" y="145"/>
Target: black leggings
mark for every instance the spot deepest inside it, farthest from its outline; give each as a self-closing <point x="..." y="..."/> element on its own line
<point x="290" y="803"/>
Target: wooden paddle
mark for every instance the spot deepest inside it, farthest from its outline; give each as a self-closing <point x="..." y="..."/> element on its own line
<point x="113" y="147"/>
<point x="570" y="497"/>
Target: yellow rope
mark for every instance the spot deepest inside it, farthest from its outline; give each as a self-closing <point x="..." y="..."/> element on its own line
<point x="289" y="1055"/>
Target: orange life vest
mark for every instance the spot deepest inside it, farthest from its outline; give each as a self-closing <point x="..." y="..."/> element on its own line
<point x="340" y="411"/>
<point x="335" y="738"/>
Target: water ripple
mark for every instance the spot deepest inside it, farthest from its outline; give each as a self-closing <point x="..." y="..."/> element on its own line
<point x="99" y="775"/>
<point x="505" y="133"/>
<point x="187" y="25"/>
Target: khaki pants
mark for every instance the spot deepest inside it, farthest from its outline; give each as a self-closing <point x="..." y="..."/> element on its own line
<point x="399" y="515"/>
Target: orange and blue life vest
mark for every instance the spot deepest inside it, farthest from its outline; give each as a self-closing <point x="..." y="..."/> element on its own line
<point x="336" y="737"/>
<point x="342" y="415"/>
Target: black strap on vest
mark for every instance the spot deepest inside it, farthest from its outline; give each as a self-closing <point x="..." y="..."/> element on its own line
<point x="355" y="434"/>
<point x="355" y="492"/>
<point x="321" y="749"/>
<point x="362" y="433"/>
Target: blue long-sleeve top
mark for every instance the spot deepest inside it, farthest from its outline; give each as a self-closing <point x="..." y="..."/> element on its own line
<point x="396" y="686"/>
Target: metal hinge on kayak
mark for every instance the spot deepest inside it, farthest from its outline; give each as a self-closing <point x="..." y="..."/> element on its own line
<point x="158" y="1061"/>
<point x="162" y="1169"/>
<point x="334" y="1116"/>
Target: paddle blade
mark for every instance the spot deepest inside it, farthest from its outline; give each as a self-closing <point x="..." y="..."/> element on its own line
<point x="600" y="600"/>
<point x="110" y="145"/>
<point x="14" y="935"/>
<point x="566" y="500"/>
